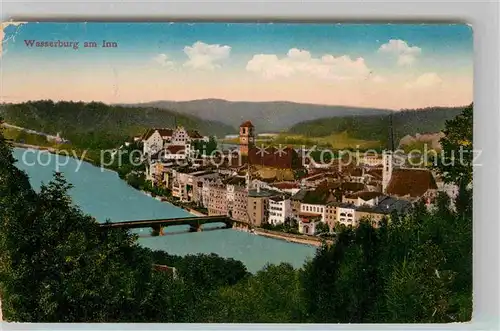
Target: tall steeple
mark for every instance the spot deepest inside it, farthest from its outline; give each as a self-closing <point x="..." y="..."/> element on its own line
<point x="247" y="137"/>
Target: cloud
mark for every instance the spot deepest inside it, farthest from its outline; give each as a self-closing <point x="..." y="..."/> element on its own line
<point x="379" y="79"/>
<point x="3" y="25"/>
<point x="405" y="54"/>
<point x="427" y="80"/>
<point x="162" y="59"/>
<point x="206" y="56"/>
<point x="301" y="62"/>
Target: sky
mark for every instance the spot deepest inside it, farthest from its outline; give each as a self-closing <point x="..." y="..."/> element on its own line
<point x="395" y="66"/>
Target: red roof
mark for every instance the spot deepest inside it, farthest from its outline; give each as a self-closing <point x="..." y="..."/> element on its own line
<point x="286" y="185"/>
<point x="286" y="158"/>
<point x="165" y="132"/>
<point x="412" y="182"/>
<point x="309" y="215"/>
<point x="246" y="124"/>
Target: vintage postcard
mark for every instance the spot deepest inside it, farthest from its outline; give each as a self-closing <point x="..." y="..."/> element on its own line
<point x="195" y="172"/>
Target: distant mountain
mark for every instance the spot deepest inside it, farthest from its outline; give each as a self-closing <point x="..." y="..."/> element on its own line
<point x="272" y="116"/>
<point x="97" y="125"/>
<point x="405" y="122"/>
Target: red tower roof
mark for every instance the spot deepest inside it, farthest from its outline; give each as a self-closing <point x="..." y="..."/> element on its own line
<point x="246" y="124"/>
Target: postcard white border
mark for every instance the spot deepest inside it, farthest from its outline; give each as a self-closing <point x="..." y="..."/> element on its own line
<point x="484" y="18"/>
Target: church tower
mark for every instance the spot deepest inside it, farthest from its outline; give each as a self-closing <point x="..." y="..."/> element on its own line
<point x="247" y="138"/>
<point x="387" y="170"/>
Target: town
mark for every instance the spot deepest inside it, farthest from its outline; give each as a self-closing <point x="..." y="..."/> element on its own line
<point x="279" y="188"/>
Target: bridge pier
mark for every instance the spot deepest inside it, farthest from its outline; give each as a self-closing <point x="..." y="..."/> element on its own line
<point x="157" y="230"/>
<point x="195" y="227"/>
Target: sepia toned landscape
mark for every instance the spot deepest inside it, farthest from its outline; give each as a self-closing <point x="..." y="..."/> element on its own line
<point x="236" y="173"/>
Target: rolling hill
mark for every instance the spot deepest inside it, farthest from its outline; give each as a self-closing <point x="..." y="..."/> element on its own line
<point x="273" y="116"/>
<point x="376" y="128"/>
<point x="96" y="125"/>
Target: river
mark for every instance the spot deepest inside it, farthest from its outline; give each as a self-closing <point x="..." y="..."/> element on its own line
<point x="102" y="194"/>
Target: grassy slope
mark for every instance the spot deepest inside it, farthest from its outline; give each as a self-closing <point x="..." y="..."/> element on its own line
<point x="369" y="131"/>
<point x="26" y="138"/>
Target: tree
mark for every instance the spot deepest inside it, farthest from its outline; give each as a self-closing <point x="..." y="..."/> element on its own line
<point x="291" y="225"/>
<point x="322" y="227"/>
<point x="204" y="147"/>
<point x="455" y="164"/>
<point x="273" y="295"/>
<point x="81" y="273"/>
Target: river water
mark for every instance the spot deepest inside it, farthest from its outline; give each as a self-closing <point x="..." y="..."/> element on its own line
<point x="102" y="194"/>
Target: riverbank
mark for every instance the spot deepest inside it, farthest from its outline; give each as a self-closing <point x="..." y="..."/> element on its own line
<point x="40" y="148"/>
<point x="294" y="238"/>
<point x="288" y="237"/>
<point x="55" y="151"/>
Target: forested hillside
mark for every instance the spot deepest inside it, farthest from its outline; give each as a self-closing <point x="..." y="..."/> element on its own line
<point x="96" y="125"/>
<point x="273" y="116"/>
<point x="405" y="122"/>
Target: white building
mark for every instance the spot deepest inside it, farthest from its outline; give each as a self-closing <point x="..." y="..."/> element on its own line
<point x="175" y="153"/>
<point x="233" y="184"/>
<point x="207" y="184"/>
<point x="346" y="215"/>
<point x="153" y="140"/>
<point x="316" y="209"/>
<point x="364" y="198"/>
<point x="280" y="209"/>
<point x="188" y="187"/>
<point x="371" y="160"/>
<point x="307" y="227"/>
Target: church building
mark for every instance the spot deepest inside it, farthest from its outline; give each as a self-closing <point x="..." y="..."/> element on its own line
<point x="266" y="156"/>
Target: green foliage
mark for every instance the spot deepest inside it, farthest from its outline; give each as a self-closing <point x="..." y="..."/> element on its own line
<point x="273" y="295"/>
<point x="289" y="226"/>
<point x="205" y="148"/>
<point x="456" y="162"/>
<point x="322" y="227"/>
<point x="360" y="127"/>
<point x="376" y="127"/>
<point x="24" y="137"/>
<point x="98" y="126"/>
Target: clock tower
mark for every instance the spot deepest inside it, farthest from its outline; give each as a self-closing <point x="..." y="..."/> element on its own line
<point x="247" y="137"/>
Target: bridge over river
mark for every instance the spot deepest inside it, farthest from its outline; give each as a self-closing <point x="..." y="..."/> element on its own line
<point x="195" y="223"/>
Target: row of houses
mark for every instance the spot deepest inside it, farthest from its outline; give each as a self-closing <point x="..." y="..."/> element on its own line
<point x="373" y="188"/>
<point x="330" y="198"/>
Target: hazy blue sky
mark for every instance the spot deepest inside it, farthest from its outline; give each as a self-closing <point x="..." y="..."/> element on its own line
<point x="378" y="65"/>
